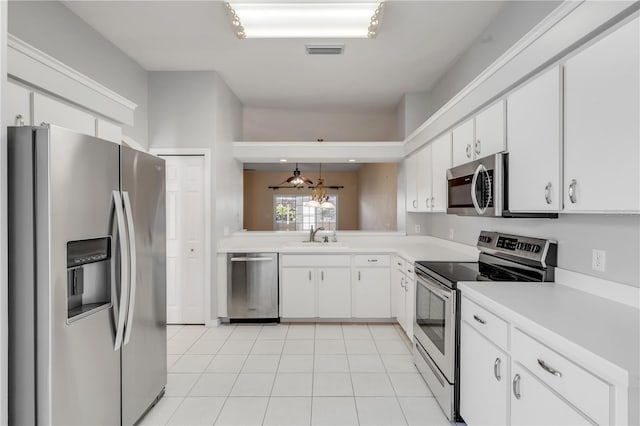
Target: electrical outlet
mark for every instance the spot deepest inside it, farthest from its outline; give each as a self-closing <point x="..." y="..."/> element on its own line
<point x="598" y="260"/>
<point x="451" y="233"/>
<point x="416" y="228"/>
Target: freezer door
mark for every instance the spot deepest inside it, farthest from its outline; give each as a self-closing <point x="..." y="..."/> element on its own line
<point x="61" y="187"/>
<point x="144" y="352"/>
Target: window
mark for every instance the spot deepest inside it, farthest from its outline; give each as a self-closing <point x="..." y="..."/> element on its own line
<point x="290" y="214"/>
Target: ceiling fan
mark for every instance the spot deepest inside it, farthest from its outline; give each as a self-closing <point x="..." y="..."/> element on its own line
<point x="297" y="179"/>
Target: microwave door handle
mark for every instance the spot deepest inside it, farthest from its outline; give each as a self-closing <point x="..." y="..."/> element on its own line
<point x="474" y="182"/>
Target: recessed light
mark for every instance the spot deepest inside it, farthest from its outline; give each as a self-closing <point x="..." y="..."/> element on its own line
<point x="315" y="19"/>
<point x="283" y="160"/>
<point x="352" y="160"/>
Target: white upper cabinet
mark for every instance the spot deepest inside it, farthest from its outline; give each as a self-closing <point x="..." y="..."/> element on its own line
<point x="17" y="110"/>
<point x="480" y="136"/>
<point x="47" y="110"/>
<point x="601" y="127"/>
<point x="411" y="171"/>
<point x="440" y="163"/>
<point x="427" y="176"/>
<point x="490" y="131"/>
<point x="424" y="179"/>
<point x="463" y="143"/>
<point x="534" y="136"/>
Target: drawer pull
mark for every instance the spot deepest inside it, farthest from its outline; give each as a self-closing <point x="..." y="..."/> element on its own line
<point x="410" y="271"/>
<point x="548" y="369"/>
<point x="480" y="320"/>
<point x="496" y="369"/>
<point x="516" y="386"/>
<point x="372" y="260"/>
<point x="399" y="264"/>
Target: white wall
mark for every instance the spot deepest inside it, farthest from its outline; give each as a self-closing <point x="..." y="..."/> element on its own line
<point x="515" y="20"/>
<point x="413" y="110"/>
<point x="196" y="109"/>
<point x="51" y="27"/>
<point x="272" y="124"/>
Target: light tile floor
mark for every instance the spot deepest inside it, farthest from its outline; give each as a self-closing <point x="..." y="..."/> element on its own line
<point x="295" y="374"/>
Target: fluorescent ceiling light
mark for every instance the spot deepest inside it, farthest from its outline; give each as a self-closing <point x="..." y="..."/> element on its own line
<point x="305" y="20"/>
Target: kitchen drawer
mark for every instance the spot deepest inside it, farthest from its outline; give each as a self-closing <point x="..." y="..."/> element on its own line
<point x="399" y="263"/>
<point x="581" y="388"/>
<point x="314" y="261"/>
<point x="493" y="328"/>
<point x="371" y="260"/>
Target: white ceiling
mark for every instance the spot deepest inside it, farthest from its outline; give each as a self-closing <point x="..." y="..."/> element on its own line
<point x="417" y="42"/>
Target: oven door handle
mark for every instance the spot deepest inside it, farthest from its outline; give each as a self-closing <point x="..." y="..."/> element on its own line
<point x="474" y="198"/>
<point x="436" y="289"/>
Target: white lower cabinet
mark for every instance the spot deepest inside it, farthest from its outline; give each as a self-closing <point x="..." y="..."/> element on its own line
<point x="403" y="288"/>
<point x="484" y="379"/>
<point x="543" y="386"/>
<point x="334" y="292"/>
<point x="316" y="292"/>
<point x="371" y="293"/>
<point x="533" y="403"/>
<point x="298" y="292"/>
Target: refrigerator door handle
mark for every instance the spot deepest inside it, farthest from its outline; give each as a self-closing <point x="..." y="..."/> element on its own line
<point x="132" y="266"/>
<point x="120" y="307"/>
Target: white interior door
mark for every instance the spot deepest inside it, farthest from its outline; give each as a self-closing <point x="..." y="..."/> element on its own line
<point x="185" y="239"/>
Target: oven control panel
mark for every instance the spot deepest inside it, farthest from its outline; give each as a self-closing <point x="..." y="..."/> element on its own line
<point x="535" y="249"/>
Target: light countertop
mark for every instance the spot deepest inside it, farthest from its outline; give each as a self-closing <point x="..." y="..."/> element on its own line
<point x="588" y="326"/>
<point x="411" y="248"/>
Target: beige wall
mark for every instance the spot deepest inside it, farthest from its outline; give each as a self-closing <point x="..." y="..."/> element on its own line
<point x="377" y="192"/>
<point x="258" y="198"/>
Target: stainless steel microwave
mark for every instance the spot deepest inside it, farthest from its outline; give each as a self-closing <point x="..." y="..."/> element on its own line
<point x="477" y="188"/>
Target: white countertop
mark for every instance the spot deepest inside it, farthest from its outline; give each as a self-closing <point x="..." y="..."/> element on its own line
<point x="411" y="248"/>
<point x="588" y="326"/>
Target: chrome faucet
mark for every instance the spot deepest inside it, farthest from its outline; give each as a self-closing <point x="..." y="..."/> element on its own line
<point x="312" y="233"/>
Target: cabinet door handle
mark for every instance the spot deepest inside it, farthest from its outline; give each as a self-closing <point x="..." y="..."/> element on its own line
<point x="516" y="386"/>
<point x="496" y="369"/>
<point x="19" y="120"/>
<point x="480" y="320"/>
<point x="321" y="275"/>
<point x="468" y="150"/>
<point x="547" y="193"/>
<point x="358" y="275"/>
<point x="309" y="275"/>
<point x="426" y="202"/>
<point x="402" y="282"/>
<point x="549" y="369"/>
<point x="477" y="147"/>
<point x="572" y="191"/>
<point x="399" y="264"/>
<point x="415" y="204"/>
<point x="433" y="203"/>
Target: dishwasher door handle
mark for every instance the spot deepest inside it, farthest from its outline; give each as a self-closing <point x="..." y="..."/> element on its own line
<point x="251" y="259"/>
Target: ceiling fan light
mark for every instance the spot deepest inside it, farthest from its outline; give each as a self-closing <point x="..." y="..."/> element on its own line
<point x="327" y="205"/>
<point x="312" y="203"/>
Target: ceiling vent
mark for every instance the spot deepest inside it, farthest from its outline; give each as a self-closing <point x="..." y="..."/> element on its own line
<point x="325" y="49"/>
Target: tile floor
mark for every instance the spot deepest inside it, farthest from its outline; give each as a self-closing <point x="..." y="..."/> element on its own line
<point x="296" y="374"/>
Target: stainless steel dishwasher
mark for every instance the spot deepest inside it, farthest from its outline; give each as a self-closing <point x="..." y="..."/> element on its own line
<point x="252" y="287"/>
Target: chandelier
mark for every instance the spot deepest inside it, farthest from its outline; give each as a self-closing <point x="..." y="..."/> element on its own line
<point x="319" y="195"/>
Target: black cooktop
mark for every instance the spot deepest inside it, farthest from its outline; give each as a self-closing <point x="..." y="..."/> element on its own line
<point x="454" y="272"/>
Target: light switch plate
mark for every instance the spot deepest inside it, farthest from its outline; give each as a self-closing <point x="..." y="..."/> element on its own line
<point x="598" y="260"/>
<point x="416" y="228"/>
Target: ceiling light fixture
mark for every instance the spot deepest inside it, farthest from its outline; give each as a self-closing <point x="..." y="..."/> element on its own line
<point x="352" y="160"/>
<point x="355" y="19"/>
<point x="297" y="179"/>
<point x="319" y="196"/>
<point x="283" y="160"/>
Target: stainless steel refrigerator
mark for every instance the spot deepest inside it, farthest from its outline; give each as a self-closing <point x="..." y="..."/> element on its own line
<point x="87" y="280"/>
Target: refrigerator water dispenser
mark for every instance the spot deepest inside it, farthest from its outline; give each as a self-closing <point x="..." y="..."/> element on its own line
<point x="88" y="277"/>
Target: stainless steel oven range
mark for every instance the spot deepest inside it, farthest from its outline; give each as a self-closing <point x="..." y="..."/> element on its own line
<point x="436" y="329"/>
